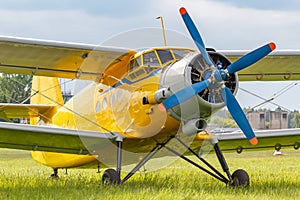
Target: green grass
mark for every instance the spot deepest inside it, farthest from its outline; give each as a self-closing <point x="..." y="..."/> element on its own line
<point x="271" y="178"/>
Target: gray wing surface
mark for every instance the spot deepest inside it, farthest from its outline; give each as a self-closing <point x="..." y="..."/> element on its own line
<point x="59" y="59"/>
<point x="266" y="139"/>
<point x="280" y="65"/>
<point x="51" y="139"/>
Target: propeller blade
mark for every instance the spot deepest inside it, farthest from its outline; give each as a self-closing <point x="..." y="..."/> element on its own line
<point x="238" y="115"/>
<point x="251" y="58"/>
<point x="195" y="35"/>
<point x="184" y="94"/>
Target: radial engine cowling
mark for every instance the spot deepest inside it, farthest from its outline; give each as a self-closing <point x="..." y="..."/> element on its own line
<point x="192" y="69"/>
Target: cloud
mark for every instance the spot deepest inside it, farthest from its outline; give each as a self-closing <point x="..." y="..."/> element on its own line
<point x="287" y="5"/>
<point x="224" y="25"/>
<point x="112" y="8"/>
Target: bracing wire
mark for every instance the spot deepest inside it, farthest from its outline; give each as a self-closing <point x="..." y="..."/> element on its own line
<point x="264" y="100"/>
<point x="59" y="104"/>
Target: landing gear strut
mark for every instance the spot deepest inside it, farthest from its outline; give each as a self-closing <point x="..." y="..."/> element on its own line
<point x="111" y="176"/>
<point x="238" y="178"/>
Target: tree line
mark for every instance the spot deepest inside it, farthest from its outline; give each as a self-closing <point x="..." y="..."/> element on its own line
<point x="15" y="88"/>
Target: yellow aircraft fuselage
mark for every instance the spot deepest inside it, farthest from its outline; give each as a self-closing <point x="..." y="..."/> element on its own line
<point x="130" y="107"/>
<point x="117" y="108"/>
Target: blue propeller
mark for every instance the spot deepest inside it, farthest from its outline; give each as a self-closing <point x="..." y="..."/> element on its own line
<point x="238" y="115"/>
<point x="195" y="35"/>
<point x="218" y="75"/>
<point x="185" y="94"/>
<point x="251" y="58"/>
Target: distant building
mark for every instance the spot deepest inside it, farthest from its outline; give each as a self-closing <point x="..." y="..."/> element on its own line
<point x="277" y="119"/>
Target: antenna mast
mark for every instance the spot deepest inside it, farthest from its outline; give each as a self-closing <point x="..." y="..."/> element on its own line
<point x="163" y="29"/>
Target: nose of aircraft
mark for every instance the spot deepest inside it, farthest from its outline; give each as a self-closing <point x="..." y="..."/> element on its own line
<point x="218" y="76"/>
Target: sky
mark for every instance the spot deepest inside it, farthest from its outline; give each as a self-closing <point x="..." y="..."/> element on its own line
<point x="224" y="24"/>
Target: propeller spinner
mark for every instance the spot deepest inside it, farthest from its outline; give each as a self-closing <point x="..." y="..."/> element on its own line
<point x="218" y="76"/>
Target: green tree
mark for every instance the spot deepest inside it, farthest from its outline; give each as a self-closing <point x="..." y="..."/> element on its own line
<point x="296" y="120"/>
<point x="15" y="88"/>
<point x="223" y="122"/>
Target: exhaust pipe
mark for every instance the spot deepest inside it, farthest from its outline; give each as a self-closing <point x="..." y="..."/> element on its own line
<point x="194" y="126"/>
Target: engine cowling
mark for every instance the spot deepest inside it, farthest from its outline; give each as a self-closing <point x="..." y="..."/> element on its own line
<point x="192" y="69"/>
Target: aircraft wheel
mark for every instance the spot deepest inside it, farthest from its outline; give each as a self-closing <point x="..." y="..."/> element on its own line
<point x="110" y="177"/>
<point x="55" y="174"/>
<point x="240" y="178"/>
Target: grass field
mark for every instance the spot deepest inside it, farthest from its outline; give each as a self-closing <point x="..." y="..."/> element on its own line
<point x="272" y="177"/>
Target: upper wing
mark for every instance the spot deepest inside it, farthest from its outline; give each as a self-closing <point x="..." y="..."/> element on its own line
<point x="51" y="139"/>
<point x="62" y="59"/>
<point x="236" y="141"/>
<point x="280" y="65"/>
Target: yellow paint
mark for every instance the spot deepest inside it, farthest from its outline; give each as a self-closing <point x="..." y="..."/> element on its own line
<point x="151" y="99"/>
<point x="203" y="136"/>
<point x="46" y="90"/>
<point x="60" y="160"/>
<point x="101" y="107"/>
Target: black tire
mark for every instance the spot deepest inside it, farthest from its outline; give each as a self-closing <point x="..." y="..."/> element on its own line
<point x="110" y="177"/>
<point x="240" y="178"/>
<point x="54" y="176"/>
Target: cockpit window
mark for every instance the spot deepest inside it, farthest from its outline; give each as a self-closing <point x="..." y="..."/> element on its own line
<point x="135" y="63"/>
<point x="180" y="53"/>
<point x="150" y="59"/>
<point x="164" y="55"/>
<point x="153" y="59"/>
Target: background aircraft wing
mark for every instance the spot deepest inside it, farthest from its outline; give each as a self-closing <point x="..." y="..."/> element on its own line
<point x="271" y="139"/>
<point x="51" y="139"/>
<point x="62" y="59"/>
<point x="280" y="65"/>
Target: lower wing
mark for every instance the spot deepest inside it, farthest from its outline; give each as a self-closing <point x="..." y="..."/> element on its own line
<point x="52" y="139"/>
<point x="272" y="139"/>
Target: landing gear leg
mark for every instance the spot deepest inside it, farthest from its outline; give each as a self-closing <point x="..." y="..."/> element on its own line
<point x="55" y="173"/>
<point x="239" y="177"/>
<point x="111" y="176"/>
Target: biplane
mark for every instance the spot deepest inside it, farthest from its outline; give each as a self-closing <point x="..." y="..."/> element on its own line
<point x="139" y="105"/>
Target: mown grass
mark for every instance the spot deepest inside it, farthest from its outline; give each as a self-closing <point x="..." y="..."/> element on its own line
<point x="271" y="178"/>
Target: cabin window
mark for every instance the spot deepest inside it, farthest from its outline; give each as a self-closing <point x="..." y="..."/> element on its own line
<point x="112" y="99"/>
<point x="119" y="95"/>
<point x="164" y="55"/>
<point x="104" y="103"/>
<point x="97" y="107"/>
